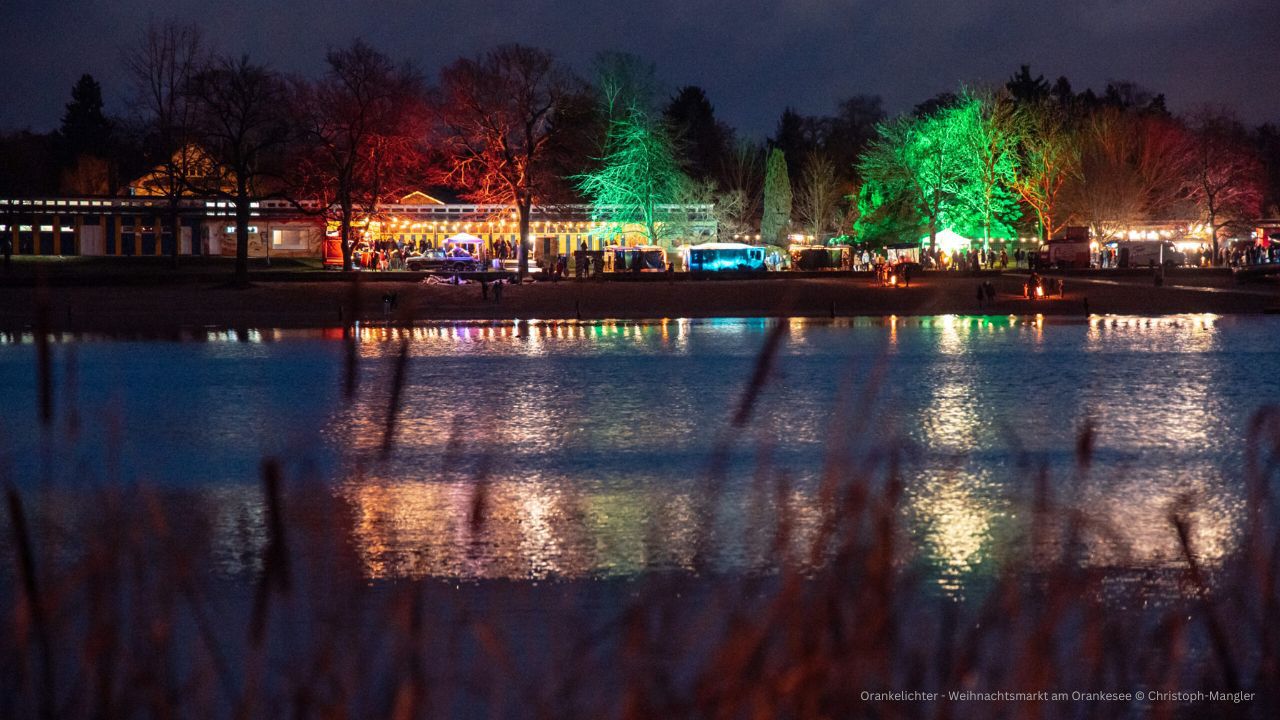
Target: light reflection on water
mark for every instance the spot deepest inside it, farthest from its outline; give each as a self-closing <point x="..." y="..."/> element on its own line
<point x="592" y="441"/>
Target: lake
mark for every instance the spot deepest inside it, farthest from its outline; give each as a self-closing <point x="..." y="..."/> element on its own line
<point x="604" y="449"/>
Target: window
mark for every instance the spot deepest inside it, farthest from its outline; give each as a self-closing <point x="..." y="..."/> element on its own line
<point x="289" y="239"/>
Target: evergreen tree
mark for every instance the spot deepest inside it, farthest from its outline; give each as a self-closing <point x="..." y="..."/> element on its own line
<point x="1063" y="93"/>
<point x="777" y="200"/>
<point x="796" y="135"/>
<point x="706" y="142"/>
<point x="85" y="129"/>
<point x="850" y="131"/>
<point x="935" y="105"/>
<point x="1026" y="89"/>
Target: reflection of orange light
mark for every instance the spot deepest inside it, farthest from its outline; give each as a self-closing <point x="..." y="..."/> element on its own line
<point x="1039" y="291"/>
<point x="893" y="279"/>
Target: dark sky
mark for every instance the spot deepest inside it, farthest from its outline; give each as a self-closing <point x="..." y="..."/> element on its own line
<point x="752" y="56"/>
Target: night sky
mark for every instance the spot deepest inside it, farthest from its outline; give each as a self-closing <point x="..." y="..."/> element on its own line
<point x="753" y="56"/>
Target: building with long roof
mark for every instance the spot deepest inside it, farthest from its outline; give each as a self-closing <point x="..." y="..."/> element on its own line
<point x="141" y="226"/>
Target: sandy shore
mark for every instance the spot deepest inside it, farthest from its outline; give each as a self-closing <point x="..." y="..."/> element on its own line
<point x="89" y="307"/>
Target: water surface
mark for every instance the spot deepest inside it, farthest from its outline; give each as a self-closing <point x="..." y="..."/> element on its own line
<point x="594" y="444"/>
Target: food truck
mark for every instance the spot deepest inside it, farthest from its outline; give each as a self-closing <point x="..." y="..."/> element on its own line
<point x="1068" y="249"/>
<point x="820" y="257"/>
<point x="719" y="257"/>
<point x="635" y="258"/>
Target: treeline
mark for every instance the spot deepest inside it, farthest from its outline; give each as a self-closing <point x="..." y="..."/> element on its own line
<point x="515" y="126"/>
<point x="1030" y="157"/>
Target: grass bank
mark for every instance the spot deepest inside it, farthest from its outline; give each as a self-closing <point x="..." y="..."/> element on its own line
<point x="329" y="300"/>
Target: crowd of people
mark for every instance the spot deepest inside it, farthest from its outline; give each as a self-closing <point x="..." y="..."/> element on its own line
<point x="381" y="255"/>
<point x="867" y="260"/>
<point x="1256" y="254"/>
<point x="389" y="254"/>
<point x="392" y="255"/>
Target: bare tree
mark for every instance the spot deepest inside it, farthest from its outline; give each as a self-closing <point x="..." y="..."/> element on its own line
<point x="738" y="203"/>
<point x="242" y="123"/>
<point x="989" y="145"/>
<point x="1132" y="167"/>
<point x="625" y="83"/>
<point x="818" y="195"/>
<point x="1048" y="157"/>
<point x="360" y="127"/>
<point x="497" y="117"/>
<point x="1225" y="175"/>
<point x="163" y="65"/>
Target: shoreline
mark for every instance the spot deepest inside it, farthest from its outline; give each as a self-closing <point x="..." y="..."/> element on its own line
<point x="268" y="303"/>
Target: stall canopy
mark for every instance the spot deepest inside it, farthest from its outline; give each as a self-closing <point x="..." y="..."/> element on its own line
<point x="949" y="241"/>
<point x="463" y="239"/>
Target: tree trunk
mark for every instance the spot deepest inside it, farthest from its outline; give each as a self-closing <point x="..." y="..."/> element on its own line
<point x="175" y="226"/>
<point x="1213" y="233"/>
<point x="933" y="223"/>
<point x="242" y="237"/>
<point x="344" y="238"/>
<point x="522" y="249"/>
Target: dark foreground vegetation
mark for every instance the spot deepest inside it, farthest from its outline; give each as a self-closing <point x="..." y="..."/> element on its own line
<point x="116" y="609"/>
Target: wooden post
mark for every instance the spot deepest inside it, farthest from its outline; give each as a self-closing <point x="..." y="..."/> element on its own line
<point x="57" y="235"/>
<point x="75" y="236"/>
<point x="117" y="237"/>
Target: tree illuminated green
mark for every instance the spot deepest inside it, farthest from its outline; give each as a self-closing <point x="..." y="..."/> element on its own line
<point x="988" y="156"/>
<point x="885" y="215"/>
<point x="639" y="176"/>
<point x="913" y="163"/>
<point x="951" y="169"/>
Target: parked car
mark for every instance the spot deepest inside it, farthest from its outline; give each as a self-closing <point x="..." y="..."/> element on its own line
<point x="439" y="260"/>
